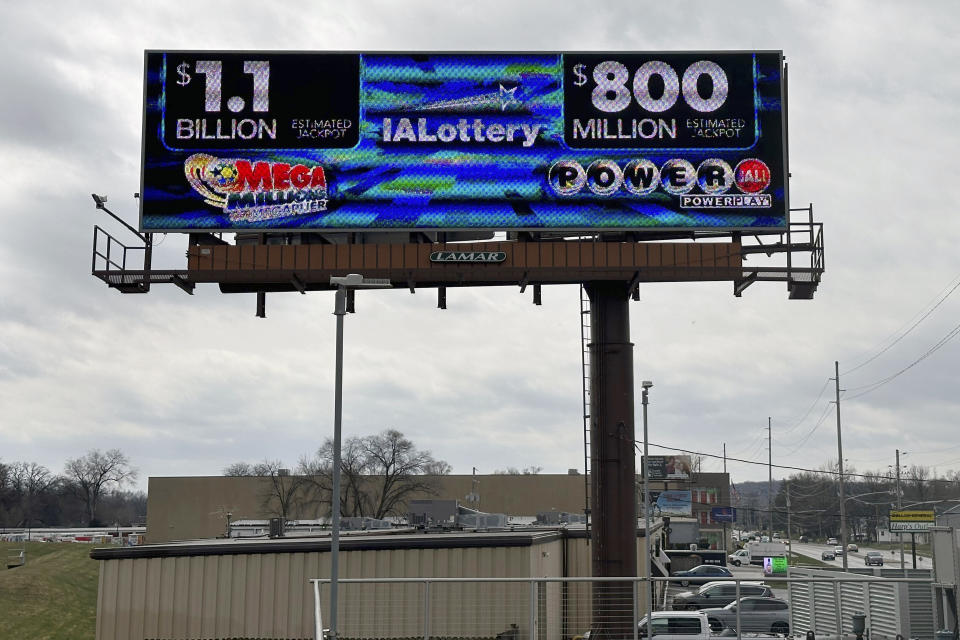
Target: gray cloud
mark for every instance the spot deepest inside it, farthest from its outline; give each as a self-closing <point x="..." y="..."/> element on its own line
<point x="186" y="385"/>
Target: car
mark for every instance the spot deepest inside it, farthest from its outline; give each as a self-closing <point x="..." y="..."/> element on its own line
<point x="828" y="555"/>
<point x="831" y="542"/>
<point x="757" y="615"/>
<point x="853" y="547"/>
<point x="838" y="550"/>
<point x="672" y="625"/>
<point x="719" y="594"/>
<point x="702" y="573"/>
<point x="873" y="557"/>
<point x="804" y="539"/>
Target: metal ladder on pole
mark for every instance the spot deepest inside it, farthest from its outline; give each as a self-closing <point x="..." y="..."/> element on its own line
<point x="585" y="374"/>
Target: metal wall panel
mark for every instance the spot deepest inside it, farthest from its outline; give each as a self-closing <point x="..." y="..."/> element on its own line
<point x="268" y="594"/>
<point x="891" y="608"/>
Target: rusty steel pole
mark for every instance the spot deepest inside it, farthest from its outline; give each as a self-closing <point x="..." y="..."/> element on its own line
<point x="613" y="532"/>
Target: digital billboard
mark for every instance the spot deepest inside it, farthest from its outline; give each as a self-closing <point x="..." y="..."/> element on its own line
<point x="670" y="503"/>
<point x="462" y="141"/>
<point x="775" y="566"/>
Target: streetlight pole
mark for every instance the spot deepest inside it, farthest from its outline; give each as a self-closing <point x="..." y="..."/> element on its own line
<point x="646" y="384"/>
<point x="899" y="506"/>
<point x="843" y="511"/>
<point x="769" y="480"/>
<point x="339" y="310"/>
<point x="344" y="284"/>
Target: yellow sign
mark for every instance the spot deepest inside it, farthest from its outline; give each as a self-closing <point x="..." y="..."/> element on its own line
<point x="912" y="516"/>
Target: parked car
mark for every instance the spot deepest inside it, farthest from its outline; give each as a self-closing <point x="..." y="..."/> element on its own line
<point x="853" y="547"/>
<point x="828" y="555"/>
<point x="838" y="550"/>
<point x="757" y="615"/>
<point x="673" y="625"/>
<point x="873" y="557"/>
<point x="702" y="573"/>
<point x="676" y="625"/>
<point x="719" y="594"/>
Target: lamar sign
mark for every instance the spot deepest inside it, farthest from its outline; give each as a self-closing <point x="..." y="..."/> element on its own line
<point x="468" y="256"/>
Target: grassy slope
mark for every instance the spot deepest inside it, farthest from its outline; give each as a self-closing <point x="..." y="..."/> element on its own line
<point x="53" y="596"/>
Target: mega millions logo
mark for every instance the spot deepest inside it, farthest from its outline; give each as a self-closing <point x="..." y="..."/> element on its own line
<point x="254" y="191"/>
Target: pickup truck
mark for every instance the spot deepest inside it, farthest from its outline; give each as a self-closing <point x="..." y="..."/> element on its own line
<point x="674" y="625"/>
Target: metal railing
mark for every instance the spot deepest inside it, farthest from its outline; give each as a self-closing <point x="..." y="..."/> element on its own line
<point x="537" y="608"/>
<point x="109" y="254"/>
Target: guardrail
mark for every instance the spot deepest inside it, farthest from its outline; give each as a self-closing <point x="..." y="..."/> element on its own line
<point x="528" y="608"/>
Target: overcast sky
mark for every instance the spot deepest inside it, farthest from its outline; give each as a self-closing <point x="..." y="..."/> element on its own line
<point x="186" y="385"/>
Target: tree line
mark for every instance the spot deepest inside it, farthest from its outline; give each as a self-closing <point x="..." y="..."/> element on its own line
<point x="379" y="474"/>
<point x="89" y="492"/>
<point x="870" y="495"/>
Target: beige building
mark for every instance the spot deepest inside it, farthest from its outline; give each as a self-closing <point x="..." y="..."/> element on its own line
<point x="189" y="508"/>
<point x="232" y="588"/>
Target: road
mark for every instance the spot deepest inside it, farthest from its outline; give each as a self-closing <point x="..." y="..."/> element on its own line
<point x="855" y="559"/>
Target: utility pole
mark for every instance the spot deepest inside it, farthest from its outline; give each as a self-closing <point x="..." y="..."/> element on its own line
<point x="899" y="506"/>
<point x="726" y="544"/>
<point x="789" y="537"/>
<point x="843" y="510"/>
<point x="769" y="479"/>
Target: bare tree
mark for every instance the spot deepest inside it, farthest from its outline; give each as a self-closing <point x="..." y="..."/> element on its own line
<point x="89" y="476"/>
<point x="283" y="494"/>
<point x="239" y="469"/>
<point x="532" y="470"/>
<point x="29" y="482"/>
<point x="918" y="478"/>
<point x="379" y="473"/>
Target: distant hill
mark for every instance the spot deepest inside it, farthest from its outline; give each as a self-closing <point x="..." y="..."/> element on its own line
<point x="750" y="500"/>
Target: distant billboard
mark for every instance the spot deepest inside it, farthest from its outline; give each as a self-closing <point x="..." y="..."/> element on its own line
<point x="911" y="521"/>
<point x="669" y="467"/>
<point x="671" y="503"/>
<point x="723" y="514"/>
<point x="271" y="140"/>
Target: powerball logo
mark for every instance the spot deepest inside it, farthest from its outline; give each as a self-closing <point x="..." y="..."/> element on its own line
<point x="255" y="191"/>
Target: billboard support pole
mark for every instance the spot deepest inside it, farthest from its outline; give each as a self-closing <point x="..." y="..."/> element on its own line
<point x="613" y="459"/>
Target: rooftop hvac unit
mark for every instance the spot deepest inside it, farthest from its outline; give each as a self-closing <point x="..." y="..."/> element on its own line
<point x="276" y="527"/>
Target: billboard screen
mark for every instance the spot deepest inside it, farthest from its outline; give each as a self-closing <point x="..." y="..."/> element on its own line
<point x="671" y="503"/>
<point x="447" y="141"/>
<point x="776" y="566"/>
<point x="669" y="467"/>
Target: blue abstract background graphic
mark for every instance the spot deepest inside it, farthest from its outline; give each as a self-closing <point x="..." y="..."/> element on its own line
<point x="403" y="175"/>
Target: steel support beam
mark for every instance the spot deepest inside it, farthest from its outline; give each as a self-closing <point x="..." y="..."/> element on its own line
<point x="612" y="457"/>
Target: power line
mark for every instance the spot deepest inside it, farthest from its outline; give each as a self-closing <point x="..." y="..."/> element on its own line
<point x="907" y="332"/>
<point x="812" y="405"/>
<point x="802" y="442"/>
<point x="758" y="462"/>
<point x="929" y="352"/>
